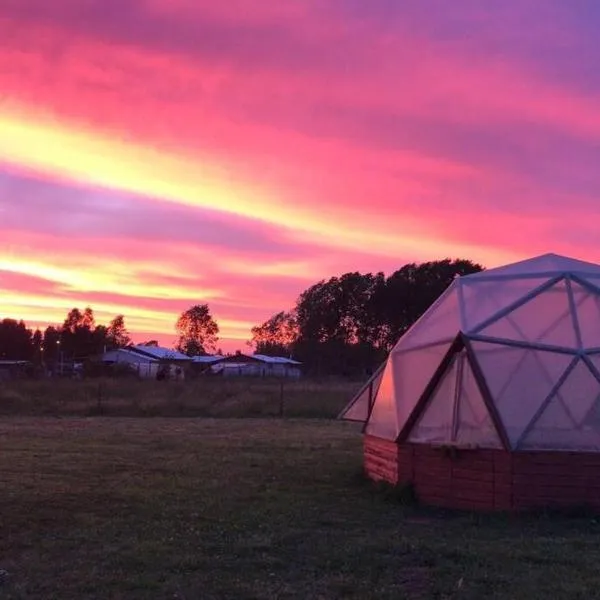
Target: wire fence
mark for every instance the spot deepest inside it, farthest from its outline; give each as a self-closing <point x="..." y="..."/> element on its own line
<point x="207" y="397"/>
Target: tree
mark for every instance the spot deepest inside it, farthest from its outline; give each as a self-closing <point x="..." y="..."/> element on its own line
<point x="336" y="326"/>
<point x="117" y="335"/>
<point x="37" y="341"/>
<point x="15" y="340"/>
<point x="347" y="324"/>
<point x="79" y="335"/>
<point x="50" y="345"/>
<point x="411" y="290"/>
<point x="276" y="336"/>
<point x="197" y="331"/>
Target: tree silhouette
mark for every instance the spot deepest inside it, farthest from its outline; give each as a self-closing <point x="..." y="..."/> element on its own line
<point x="15" y="340"/>
<point x="80" y="337"/>
<point x="347" y="324"/>
<point x="117" y="335"/>
<point x="276" y="336"/>
<point x="37" y="341"/>
<point x="50" y="345"/>
<point x="197" y="331"/>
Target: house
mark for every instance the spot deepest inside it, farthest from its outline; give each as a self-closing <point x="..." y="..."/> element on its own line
<point x="257" y="365"/>
<point x="146" y="367"/>
<point x="149" y="362"/>
<point x="172" y="362"/>
<point x="14" y="369"/>
<point x="204" y="363"/>
<point x="162" y="354"/>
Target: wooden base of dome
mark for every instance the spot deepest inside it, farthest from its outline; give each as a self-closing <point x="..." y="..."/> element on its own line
<point x="487" y="480"/>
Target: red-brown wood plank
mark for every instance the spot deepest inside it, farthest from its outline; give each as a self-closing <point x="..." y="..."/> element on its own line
<point x="487" y="479"/>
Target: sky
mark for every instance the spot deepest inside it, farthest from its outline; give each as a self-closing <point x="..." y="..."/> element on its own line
<point x="156" y="154"/>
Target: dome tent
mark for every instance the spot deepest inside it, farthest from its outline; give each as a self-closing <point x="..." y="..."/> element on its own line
<point x="505" y="359"/>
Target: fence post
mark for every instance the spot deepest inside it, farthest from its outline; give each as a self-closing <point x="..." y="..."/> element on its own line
<point x="281" y="400"/>
<point x="99" y="398"/>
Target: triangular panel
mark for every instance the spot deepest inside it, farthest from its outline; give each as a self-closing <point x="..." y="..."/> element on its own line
<point x="545" y="319"/>
<point x="474" y="425"/>
<point x="383" y="422"/>
<point x="587" y="305"/>
<point x="519" y="380"/>
<point x="358" y="408"/>
<point x="435" y="423"/>
<point x="546" y="263"/>
<point x="577" y="395"/>
<point x="414" y="370"/>
<point x="484" y="299"/>
<point x="502" y="361"/>
<point x="593" y="280"/>
<point x="569" y="421"/>
<point x="456" y="412"/>
<point x="595" y="360"/>
<point x="440" y="323"/>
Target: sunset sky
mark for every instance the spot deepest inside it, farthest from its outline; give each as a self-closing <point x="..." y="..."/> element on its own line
<point x="155" y="154"/>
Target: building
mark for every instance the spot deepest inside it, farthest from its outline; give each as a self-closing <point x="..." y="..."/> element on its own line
<point x="14" y="369"/>
<point x="257" y="365"/>
<point x="491" y="400"/>
<point x="203" y="364"/>
<point x="167" y="355"/>
<point x="152" y="362"/>
<point x="146" y="367"/>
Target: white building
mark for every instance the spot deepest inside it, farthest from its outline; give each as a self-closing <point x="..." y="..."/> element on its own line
<point x="145" y="366"/>
<point x="258" y="365"/>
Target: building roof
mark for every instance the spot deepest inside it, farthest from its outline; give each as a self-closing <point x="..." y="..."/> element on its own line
<point x="207" y="358"/>
<point x="12" y="363"/>
<point x="282" y="360"/>
<point x="159" y="353"/>
<point x="112" y="355"/>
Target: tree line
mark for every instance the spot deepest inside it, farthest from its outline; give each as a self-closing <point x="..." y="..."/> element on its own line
<point x="80" y="336"/>
<point x="347" y="324"/>
<point x="344" y="325"/>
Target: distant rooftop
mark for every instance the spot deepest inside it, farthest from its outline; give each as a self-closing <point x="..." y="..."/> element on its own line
<point x="207" y="358"/>
<point x="9" y="363"/>
<point x="282" y="360"/>
<point x="159" y="352"/>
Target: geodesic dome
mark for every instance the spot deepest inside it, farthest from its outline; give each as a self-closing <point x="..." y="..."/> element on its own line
<point x="505" y="358"/>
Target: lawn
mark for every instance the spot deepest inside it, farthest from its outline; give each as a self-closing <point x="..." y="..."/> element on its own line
<point x="251" y="508"/>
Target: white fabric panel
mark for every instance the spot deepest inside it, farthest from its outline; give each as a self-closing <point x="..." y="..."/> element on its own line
<point x="545" y="319"/>
<point x="359" y="409"/>
<point x="441" y="322"/>
<point x="587" y="305"/>
<point x="484" y="299"/>
<point x="546" y="263"/>
<point x="474" y="424"/>
<point x="414" y="370"/>
<point x="470" y="424"/>
<point x="519" y="381"/>
<point x="383" y="422"/>
<point x="435" y="424"/>
<point x="571" y="419"/>
<point x="595" y="360"/>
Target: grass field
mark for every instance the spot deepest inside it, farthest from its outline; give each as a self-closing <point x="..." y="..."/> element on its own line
<point x="251" y="508"/>
<point x="203" y="397"/>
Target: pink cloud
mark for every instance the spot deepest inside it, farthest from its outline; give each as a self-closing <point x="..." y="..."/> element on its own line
<point x="368" y="138"/>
